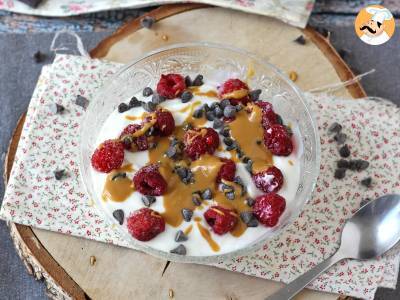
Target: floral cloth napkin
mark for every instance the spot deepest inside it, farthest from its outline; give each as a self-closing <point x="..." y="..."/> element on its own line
<point x="49" y="142"/>
<point x="294" y="12"/>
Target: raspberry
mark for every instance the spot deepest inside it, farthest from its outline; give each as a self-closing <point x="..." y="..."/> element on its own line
<point x="268" y="208"/>
<point x="277" y="140"/>
<point x="108" y="156"/>
<point x="149" y="181"/>
<point x="268" y="115"/>
<point x="221" y="220"/>
<point x="227" y="89"/>
<point x="269" y="180"/>
<point x="199" y="141"/>
<point x="134" y="143"/>
<point x="171" y="86"/>
<point x="227" y="170"/>
<point x="165" y="123"/>
<point x="144" y="224"/>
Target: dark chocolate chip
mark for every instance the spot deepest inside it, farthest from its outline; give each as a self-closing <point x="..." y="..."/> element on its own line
<point x="340" y="173"/>
<point x="210" y="116"/>
<point x="180" y="236"/>
<point x="119" y="216"/>
<point x="358" y="164"/>
<point x="225" y="132"/>
<point x="228" y="141"/>
<point x="344" y="151"/>
<point x="198" y="80"/>
<point x="82" y="101"/>
<point x="258" y="142"/>
<point x="218" y="112"/>
<point x="39" y="57"/>
<point x="249" y="166"/>
<point x="119" y="175"/>
<point x="238" y="107"/>
<point x="59" y="174"/>
<point x="255" y="95"/>
<point x="224" y="103"/>
<point x="230" y="195"/>
<point x="157" y="99"/>
<point x="182" y="172"/>
<point x="217" y="123"/>
<point x="196" y="199"/>
<point x="340" y="138"/>
<point x="134" y="102"/>
<point x="206" y="194"/>
<point x="123" y="107"/>
<point x="366" y="182"/>
<point x="245" y="159"/>
<point x="342" y="163"/>
<point x="187" y="126"/>
<point x="147" y="91"/>
<point x="249" y="219"/>
<point x="180" y="250"/>
<point x="205" y="107"/>
<point x="335" y="128"/>
<point x="186" y="96"/>
<point x="229" y="111"/>
<point x="147" y="22"/>
<point x="127" y="141"/>
<point x="171" y="152"/>
<point x="188" y="81"/>
<point x="149" y="106"/>
<point x="300" y="40"/>
<point x="227" y="188"/>
<point x="187" y="214"/>
<point x="198" y="113"/>
<point x="148" y="200"/>
<point x="250" y="201"/>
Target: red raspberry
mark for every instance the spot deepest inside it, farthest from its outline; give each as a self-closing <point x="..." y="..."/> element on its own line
<point x="108" y="156"/>
<point x="268" y="115"/>
<point x="231" y="86"/>
<point x="149" y="181"/>
<point x="227" y="170"/>
<point x="269" y="180"/>
<point x="134" y="143"/>
<point x="199" y="141"/>
<point x="268" y="208"/>
<point x="165" y="123"/>
<point x="171" y="86"/>
<point x="221" y="220"/>
<point x="277" y="140"/>
<point x="144" y="224"/>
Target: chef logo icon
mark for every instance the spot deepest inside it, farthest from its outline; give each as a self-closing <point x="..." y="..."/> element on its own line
<point x="374" y="25"/>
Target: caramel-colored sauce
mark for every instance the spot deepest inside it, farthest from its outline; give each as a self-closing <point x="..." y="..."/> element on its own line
<point x="134" y="118"/>
<point x="250" y="72"/>
<point x="238" y="94"/>
<point x="188" y="230"/>
<point x="207" y="236"/>
<point x="120" y="188"/>
<point x="246" y="129"/>
<point x="196" y="91"/>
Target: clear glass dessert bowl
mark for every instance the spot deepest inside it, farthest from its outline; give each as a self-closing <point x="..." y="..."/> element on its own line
<point x="210" y="60"/>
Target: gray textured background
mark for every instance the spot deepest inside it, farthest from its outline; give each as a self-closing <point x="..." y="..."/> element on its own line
<point x="18" y="76"/>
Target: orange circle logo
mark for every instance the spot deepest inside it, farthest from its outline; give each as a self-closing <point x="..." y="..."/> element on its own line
<point x="374" y="25"/>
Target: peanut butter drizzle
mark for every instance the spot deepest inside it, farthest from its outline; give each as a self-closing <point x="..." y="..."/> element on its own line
<point x="238" y="94"/>
<point x="196" y="91"/>
<point x="133" y="118"/>
<point x="246" y="129"/>
<point x="207" y="236"/>
<point x="188" y="230"/>
<point x="120" y="188"/>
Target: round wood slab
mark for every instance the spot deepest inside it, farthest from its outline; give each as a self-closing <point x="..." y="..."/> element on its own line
<point x="120" y="273"/>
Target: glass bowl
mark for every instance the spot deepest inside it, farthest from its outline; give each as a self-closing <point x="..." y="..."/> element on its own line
<point x="209" y="60"/>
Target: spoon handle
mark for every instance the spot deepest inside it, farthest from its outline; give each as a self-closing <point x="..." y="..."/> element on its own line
<point x="290" y="290"/>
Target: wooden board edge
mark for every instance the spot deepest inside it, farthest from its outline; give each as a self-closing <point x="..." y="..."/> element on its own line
<point x="33" y="254"/>
<point x="342" y="69"/>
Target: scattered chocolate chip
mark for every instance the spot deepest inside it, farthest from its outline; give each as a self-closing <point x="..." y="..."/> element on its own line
<point x="119" y="175"/>
<point x="147" y="22"/>
<point x="335" y="128"/>
<point x="258" y="142"/>
<point x="127" y="141"/>
<point x="148" y="200"/>
<point x="180" y="236"/>
<point x="205" y="107"/>
<point x="217" y="123"/>
<point x="206" y="194"/>
<point x="238" y="107"/>
<point x="196" y="198"/>
<point x="245" y="159"/>
<point x="39" y="57"/>
<point x="227" y="188"/>
<point x="157" y="99"/>
<point x="198" y="113"/>
<point x="198" y="80"/>
<point x="185" y="174"/>
<point x="344" y="151"/>
<point x="228" y="141"/>
<point x="214" y="105"/>
<point x="186" y="96"/>
<point x="224" y="103"/>
<point x="82" y="101"/>
<point x="340" y="173"/>
<point x="300" y="40"/>
<point x="59" y="174"/>
<point x="249" y="219"/>
<point x="358" y="164"/>
<point x="147" y="91"/>
<point x="149" y="106"/>
<point x="229" y="111"/>
<point x="340" y="138"/>
<point x="119" y="216"/>
<point x="188" y="81"/>
<point x="210" y="116"/>
<point x="239" y="153"/>
<point x="366" y="182"/>
<point x="180" y="250"/>
<point x="225" y="132"/>
<point x="249" y="166"/>
<point x="187" y="126"/>
<point x="218" y="112"/>
<point x="171" y="152"/>
<point x="250" y="201"/>
<point x="187" y="214"/>
<point x="342" y="163"/>
<point x="134" y="102"/>
<point x="230" y="195"/>
<point x="55" y="108"/>
<point x="231" y="147"/>
<point x="123" y="107"/>
<point x="255" y="95"/>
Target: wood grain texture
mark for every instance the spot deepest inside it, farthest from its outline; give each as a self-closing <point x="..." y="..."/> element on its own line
<point x="127" y="274"/>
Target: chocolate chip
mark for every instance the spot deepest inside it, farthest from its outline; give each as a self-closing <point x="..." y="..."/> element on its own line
<point x="206" y="194"/>
<point x="300" y="40"/>
<point x="59" y="174"/>
<point x="225" y="132"/>
<point x="335" y="127"/>
<point x="39" y="57"/>
<point x="258" y="142"/>
<point x="344" y="151"/>
<point x="147" y="91"/>
<point x="249" y="219"/>
<point x="123" y="107"/>
<point x="340" y="173"/>
<point x="119" y="216"/>
<point x="149" y="106"/>
<point x="134" y="102"/>
<point x="182" y="172"/>
<point x="228" y="141"/>
<point x="180" y="250"/>
<point x="205" y="107"/>
<point x="148" y="200"/>
<point x="238" y="107"/>
<point x="227" y="188"/>
<point x="119" y="175"/>
<point x="198" y="80"/>
<point x="196" y="199"/>
<point x="239" y="153"/>
<point x="255" y="95"/>
<point x="342" y="163"/>
<point x="250" y="201"/>
<point x="217" y="123"/>
<point x="279" y="119"/>
<point x="82" y="101"/>
<point x="249" y="166"/>
<point x="366" y="182"/>
<point x="198" y="113"/>
<point x="127" y="141"/>
<point x="218" y="112"/>
<point x="147" y="22"/>
<point x="157" y="99"/>
<point x="214" y="105"/>
<point x="55" y="108"/>
<point x="186" y="96"/>
<point x="188" y="81"/>
<point x="245" y="159"/>
<point x="231" y="147"/>
<point x="187" y="214"/>
<point x="180" y="236"/>
<point x="224" y="103"/>
<point x="230" y="195"/>
<point x="187" y="126"/>
<point x="340" y="138"/>
<point x="229" y="111"/>
<point x="210" y="116"/>
<point x="238" y="180"/>
<point x="358" y="165"/>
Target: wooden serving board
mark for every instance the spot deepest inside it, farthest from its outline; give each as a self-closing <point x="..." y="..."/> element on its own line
<point x="120" y="273"/>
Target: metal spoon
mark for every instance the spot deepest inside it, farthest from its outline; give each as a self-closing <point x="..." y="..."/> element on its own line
<point x="370" y="232"/>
